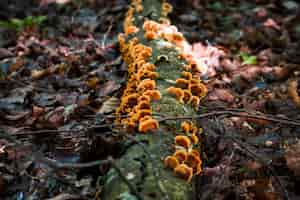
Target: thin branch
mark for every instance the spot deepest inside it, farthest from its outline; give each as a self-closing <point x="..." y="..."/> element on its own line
<point x="234" y="113"/>
<point x="263" y="161"/>
<point x="59" y="165"/>
<point x="266" y="162"/>
<point x="55" y="131"/>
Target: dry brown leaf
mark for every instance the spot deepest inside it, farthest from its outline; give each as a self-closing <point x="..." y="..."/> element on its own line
<point x="271" y="24"/>
<point x="221" y="94"/>
<point x="292" y="91"/>
<point x="109" y="105"/>
<point x="47" y="2"/>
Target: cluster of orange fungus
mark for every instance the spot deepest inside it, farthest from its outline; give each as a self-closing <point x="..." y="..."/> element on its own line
<point x="141" y="85"/>
<point x="188" y="89"/>
<point x="185" y="162"/>
<point x="165" y="30"/>
<point x="129" y="27"/>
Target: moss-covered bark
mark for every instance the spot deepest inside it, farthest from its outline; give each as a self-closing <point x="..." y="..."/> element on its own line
<point x="142" y="164"/>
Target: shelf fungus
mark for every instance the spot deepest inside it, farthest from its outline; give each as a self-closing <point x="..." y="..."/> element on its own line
<point x="184" y="171"/>
<point x="187" y="156"/>
<point x="148" y="124"/>
<point x="152" y="85"/>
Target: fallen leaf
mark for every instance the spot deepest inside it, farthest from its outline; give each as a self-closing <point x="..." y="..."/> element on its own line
<point x="221" y="94"/>
<point x="47" y="2"/>
<point x="108" y="88"/>
<point x="109" y="105"/>
<point x="55" y="118"/>
<point x="271" y="24"/>
<point x="293" y="93"/>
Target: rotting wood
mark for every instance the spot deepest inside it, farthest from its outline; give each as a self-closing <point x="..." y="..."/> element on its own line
<point x="162" y="79"/>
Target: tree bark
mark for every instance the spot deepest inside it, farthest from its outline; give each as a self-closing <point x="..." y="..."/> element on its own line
<point x="142" y="165"/>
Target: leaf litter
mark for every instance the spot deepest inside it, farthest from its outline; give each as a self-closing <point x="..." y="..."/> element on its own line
<point x="61" y="78"/>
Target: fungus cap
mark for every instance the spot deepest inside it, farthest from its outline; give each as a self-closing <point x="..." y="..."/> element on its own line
<point x="187" y="95"/>
<point x="193" y="161"/>
<point x="171" y="162"/>
<point x="186" y="126"/>
<point x="153" y="94"/>
<point x="144" y="104"/>
<point x="146" y="84"/>
<point x="130" y="99"/>
<point x="185" y="172"/>
<point x="182" y="83"/>
<point x="142" y="113"/>
<point x="150" y="35"/>
<point x="181" y="155"/>
<point x="150" y="25"/>
<point x="198" y="90"/>
<point x="195" y="101"/>
<point x="195" y="152"/>
<point x="164" y="20"/>
<point x="183" y="141"/>
<point x="148" y="125"/>
<point x="144" y="98"/>
<point x="194" y="138"/>
<point x="177" y="92"/>
<point x="131" y="29"/>
<point x="142" y="74"/>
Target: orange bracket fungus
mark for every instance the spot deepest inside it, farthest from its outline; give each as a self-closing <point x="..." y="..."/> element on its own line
<point x="184" y="171"/>
<point x="163" y="80"/>
<point x="143" y="89"/>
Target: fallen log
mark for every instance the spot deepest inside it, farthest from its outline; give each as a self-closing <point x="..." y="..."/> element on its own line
<point x="162" y="81"/>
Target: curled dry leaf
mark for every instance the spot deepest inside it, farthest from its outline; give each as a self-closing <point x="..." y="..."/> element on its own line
<point x="55" y="118"/>
<point x="221" y="94"/>
<point x="293" y="93"/>
<point x="271" y="24"/>
<point x="250" y="73"/>
<point x="109" y="105"/>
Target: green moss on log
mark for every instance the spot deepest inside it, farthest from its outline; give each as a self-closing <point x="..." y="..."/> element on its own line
<point x="142" y="163"/>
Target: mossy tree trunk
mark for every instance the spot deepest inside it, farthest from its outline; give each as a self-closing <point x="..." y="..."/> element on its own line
<point x="142" y="164"/>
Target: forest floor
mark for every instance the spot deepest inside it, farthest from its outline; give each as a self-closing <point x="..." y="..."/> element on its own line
<point x="61" y="78"/>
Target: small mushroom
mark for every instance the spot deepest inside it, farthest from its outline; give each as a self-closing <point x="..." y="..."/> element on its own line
<point x="183" y="171"/>
<point x="183" y="141"/>
<point x="171" y="162"/>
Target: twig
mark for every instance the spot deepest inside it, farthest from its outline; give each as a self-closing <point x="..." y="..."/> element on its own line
<point x="59" y="165"/>
<point x="248" y="151"/>
<point x="66" y="196"/>
<point x="263" y="161"/>
<point x="234" y="113"/>
<point x="55" y="131"/>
